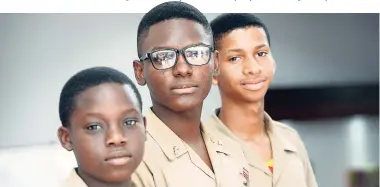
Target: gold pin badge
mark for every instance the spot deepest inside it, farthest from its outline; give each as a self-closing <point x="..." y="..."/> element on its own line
<point x="176" y="150"/>
<point x="220" y="143"/>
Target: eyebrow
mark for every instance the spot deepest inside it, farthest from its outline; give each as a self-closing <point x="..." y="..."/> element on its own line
<point x="167" y="47"/>
<point x="240" y="50"/>
<point x="126" y="111"/>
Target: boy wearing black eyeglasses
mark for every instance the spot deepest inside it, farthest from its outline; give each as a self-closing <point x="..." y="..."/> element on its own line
<point x="176" y="62"/>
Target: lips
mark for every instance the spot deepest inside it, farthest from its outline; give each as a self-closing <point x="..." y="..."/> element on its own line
<point x="118" y="158"/>
<point x="184" y="86"/>
<point x="118" y="154"/>
<point x="253" y="84"/>
<point x="252" y="81"/>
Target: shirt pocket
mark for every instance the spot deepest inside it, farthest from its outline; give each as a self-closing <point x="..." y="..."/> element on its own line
<point x="232" y="172"/>
<point x="294" y="173"/>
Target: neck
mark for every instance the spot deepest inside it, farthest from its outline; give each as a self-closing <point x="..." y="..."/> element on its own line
<point x="185" y="124"/>
<point x="93" y="182"/>
<point x="244" y="119"/>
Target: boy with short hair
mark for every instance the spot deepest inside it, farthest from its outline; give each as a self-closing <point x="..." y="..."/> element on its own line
<point x="100" y="111"/>
<point x="275" y="152"/>
<point x="176" y="62"/>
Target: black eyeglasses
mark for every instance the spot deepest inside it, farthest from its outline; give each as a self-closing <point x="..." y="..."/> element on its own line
<point x="196" y="55"/>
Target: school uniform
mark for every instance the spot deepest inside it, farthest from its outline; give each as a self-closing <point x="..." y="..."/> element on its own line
<point x="170" y="162"/>
<point x="290" y="166"/>
<point x="73" y="180"/>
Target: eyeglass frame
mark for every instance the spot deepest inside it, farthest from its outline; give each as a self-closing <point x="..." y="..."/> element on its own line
<point x="178" y="52"/>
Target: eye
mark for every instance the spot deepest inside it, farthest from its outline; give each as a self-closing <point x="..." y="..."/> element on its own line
<point x="233" y="59"/>
<point x="163" y="55"/>
<point x="130" y="123"/>
<point x="93" y="127"/>
<point x="262" y="54"/>
<point x="192" y="54"/>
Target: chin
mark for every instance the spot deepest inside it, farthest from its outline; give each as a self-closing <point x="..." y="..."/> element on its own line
<point x="119" y="176"/>
<point x="253" y="97"/>
<point x="182" y="105"/>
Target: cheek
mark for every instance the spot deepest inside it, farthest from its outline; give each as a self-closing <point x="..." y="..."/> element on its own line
<point x="204" y="73"/>
<point x="85" y="144"/>
<point x="137" y="143"/>
<point x="269" y="68"/>
<point x="229" y="75"/>
<point x="88" y="151"/>
<point x="157" y="79"/>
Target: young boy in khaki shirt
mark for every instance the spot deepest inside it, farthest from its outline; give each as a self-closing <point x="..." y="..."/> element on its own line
<point x="100" y="111"/>
<point x="275" y="152"/>
<point x="176" y="62"/>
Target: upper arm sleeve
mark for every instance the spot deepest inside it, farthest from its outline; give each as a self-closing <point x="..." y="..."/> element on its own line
<point x="309" y="172"/>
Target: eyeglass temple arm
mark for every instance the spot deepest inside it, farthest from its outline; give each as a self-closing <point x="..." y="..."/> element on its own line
<point x="144" y="57"/>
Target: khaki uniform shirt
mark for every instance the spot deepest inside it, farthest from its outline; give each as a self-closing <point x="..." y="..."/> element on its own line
<point x="74" y="180"/>
<point x="292" y="167"/>
<point x="170" y="162"/>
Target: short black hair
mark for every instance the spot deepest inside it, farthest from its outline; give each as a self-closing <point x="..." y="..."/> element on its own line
<point x="225" y="23"/>
<point x="86" y="79"/>
<point x="167" y="11"/>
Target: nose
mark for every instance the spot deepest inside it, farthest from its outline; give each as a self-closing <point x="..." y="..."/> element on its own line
<point x="251" y="66"/>
<point x="182" y="68"/>
<point x="115" y="136"/>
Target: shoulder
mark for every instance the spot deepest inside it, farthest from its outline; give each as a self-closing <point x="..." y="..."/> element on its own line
<point x="291" y="135"/>
<point x="154" y="155"/>
<point x="286" y="130"/>
<point x="73" y="180"/>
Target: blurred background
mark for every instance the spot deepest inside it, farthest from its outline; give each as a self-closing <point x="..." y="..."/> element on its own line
<point x="326" y="86"/>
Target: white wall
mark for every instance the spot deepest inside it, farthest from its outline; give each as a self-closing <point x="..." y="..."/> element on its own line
<point x="336" y="146"/>
<point x="38" y="165"/>
<point x="39" y="52"/>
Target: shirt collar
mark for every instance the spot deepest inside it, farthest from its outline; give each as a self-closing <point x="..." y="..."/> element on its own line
<point x="172" y="145"/>
<point x="74" y="180"/>
<point x="276" y="137"/>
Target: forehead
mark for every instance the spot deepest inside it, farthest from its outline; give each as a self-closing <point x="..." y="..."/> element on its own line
<point x="243" y="38"/>
<point x="106" y="96"/>
<point x="175" y="33"/>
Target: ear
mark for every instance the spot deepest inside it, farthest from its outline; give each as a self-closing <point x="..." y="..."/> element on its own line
<point x="138" y="67"/>
<point x="64" y="138"/>
<point x="144" y="121"/>
<point x="215" y="72"/>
